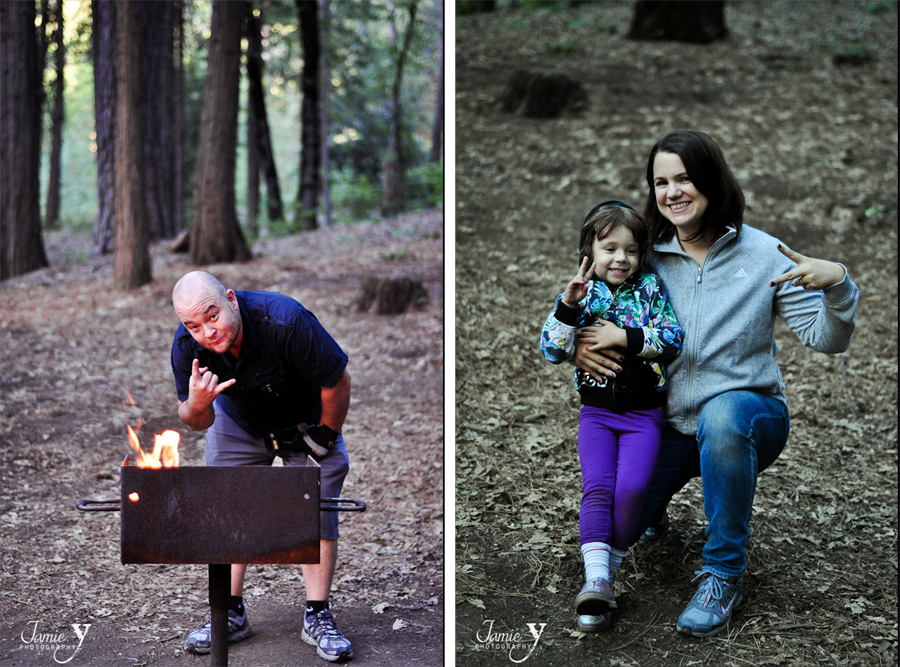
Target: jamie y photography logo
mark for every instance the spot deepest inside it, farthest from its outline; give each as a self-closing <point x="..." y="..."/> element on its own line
<point x="34" y="638"/>
<point x="516" y="645"/>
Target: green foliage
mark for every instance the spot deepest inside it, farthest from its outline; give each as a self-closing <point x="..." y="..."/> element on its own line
<point x="394" y="255"/>
<point x="361" y="57"/>
<point x="353" y="197"/>
<point x="425" y="186"/>
<point x="78" y="182"/>
<point x="875" y="211"/>
<point x="882" y="6"/>
<point x="544" y="5"/>
<point x="467" y="7"/>
<point x="566" y="47"/>
<point x="854" y="50"/>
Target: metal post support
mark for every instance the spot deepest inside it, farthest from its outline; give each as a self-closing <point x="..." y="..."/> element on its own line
<point x="219" y="601"/>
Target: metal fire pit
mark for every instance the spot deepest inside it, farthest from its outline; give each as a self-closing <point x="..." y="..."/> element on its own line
<point x="219" y="515"/>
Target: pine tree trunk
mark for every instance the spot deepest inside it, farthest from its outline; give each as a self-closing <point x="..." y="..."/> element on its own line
<point x="215" y="234"/>
<point x="51" y="215"/>
<point x="310" y="154"/>
<point x="325" y="78"/>
<point x="156" y="37"/>
<point x="131" y="267"/>
<point x="437" y="128"/>
<point x="262" y="144"/>
<point x="21" y="244"/>
<point x="103" y="46"/>
<point x="253" y="167"/>
<point x="178" y="120"/>
<point x="394" y="166"/>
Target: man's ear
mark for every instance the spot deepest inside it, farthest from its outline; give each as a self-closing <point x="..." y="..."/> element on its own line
<point x="232" y="299"/>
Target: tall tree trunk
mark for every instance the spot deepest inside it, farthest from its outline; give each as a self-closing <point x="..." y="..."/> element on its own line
<point x="178" y="120"/>
<point x="169" y="137"/>
<point x="697" y="21"/>
<point x="253" y="166"/>
<point x="254" y="46"/>
<point x="437" y="128"/>
<point x="324" y="32"/>
<point x="215" y="235"/>
<point x="394" y="166"/>
<point x="103" y="47"/>
<point x="131" y="267"/>
<point x="51" y="215"/>
<point x="260" y="123"/>
<point x="310" y="154"/>
<point x="156" y="46"/>
<point x="21" y="83"/>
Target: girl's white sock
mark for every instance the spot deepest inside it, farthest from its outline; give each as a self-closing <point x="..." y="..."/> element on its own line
<point x="615" y="560"/>
<point x="596" y="560"/>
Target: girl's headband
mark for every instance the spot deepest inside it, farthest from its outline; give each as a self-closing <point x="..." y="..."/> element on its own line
<point x="611" y="202"/>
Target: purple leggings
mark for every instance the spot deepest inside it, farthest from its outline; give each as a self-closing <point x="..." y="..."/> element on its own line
<point x="618" y="453"/>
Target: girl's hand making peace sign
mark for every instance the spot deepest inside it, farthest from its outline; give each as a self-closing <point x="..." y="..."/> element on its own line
<point x="577" y="288"/>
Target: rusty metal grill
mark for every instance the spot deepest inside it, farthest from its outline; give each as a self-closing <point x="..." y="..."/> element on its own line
<point x="219" y="515"/>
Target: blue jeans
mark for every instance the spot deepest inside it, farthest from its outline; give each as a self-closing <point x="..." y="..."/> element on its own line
<point x="740" y="434"/>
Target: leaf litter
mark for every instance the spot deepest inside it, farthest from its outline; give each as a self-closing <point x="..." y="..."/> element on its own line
<point x="819" y="171"/>
<point x="70" y="348"/>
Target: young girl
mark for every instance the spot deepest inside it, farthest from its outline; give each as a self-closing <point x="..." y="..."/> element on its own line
<point x="622" y="415"/>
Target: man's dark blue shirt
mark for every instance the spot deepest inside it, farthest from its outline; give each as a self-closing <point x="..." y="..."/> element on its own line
<point x="286" y="358"/>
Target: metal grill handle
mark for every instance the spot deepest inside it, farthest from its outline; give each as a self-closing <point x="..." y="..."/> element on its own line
<point x="99" y="505"/>
<point x="356" y="505"/>
<point x="325" y="505"/>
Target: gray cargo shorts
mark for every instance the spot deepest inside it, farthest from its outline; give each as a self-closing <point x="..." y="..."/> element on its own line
<point x="227" y="444"/>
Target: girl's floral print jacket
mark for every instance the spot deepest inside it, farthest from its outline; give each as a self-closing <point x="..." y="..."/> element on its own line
<point x="639" y="307"/>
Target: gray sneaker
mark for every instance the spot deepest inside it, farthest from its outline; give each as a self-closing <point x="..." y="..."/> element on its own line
<point x="238" y="628"/>
<point x="709" y="611"/>
<point x="320" y="631"/>
<point x="588" y="623"/>
<point x="596" y="598"/>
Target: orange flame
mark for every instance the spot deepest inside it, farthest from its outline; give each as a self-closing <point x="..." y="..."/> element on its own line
<point x="165" y="450"/>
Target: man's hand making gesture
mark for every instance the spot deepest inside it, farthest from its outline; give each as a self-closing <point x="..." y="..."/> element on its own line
<point x="197" y="411"/>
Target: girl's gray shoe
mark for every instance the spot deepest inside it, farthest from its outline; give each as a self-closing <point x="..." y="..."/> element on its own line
<point x="588" y="623"/>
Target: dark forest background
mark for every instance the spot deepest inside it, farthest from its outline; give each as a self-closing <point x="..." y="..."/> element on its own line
<point x="118" y="117"/>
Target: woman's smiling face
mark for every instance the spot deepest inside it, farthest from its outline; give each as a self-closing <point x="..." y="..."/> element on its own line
<point x="676" y="197"/>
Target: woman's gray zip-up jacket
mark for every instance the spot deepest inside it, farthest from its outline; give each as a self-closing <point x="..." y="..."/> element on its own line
<point x="727" y="311"/>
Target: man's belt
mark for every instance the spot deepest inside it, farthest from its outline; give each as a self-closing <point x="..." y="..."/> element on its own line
<point x="316" y="440"/>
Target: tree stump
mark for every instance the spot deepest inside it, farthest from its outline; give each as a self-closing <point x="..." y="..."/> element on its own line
<point x="182" y="242"/>
<point x="696" y="21"/>
<point x="542" y="95"/>
<point x="391" y="296"/>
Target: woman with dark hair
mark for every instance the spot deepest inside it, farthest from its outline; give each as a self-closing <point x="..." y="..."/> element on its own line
<point x="726" y="415"/>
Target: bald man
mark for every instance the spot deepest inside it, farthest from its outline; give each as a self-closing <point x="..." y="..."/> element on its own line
<point x="257" y="370"/>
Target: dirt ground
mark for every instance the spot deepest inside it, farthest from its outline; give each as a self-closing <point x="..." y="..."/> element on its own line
<point x="70" y="348"/>
<point x="814" y="145"/>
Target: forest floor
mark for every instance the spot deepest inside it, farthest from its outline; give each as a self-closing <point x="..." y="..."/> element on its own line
<point x="70" y="349"/>
<point x="814" y="145"/>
